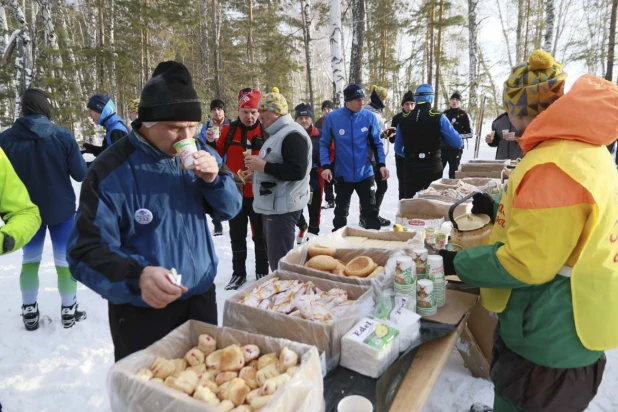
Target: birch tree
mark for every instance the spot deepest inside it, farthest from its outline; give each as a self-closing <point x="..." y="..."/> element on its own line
<point x="609" y="73"/>
<point x="20" y="40"/>
<point x="305" y="6"/>
<point x="438" y="54"/>
<point x="358" y="37"/>
<point x="472" y="55"/>
<point x="216" y="30"/>
<point x="336" y="60"/>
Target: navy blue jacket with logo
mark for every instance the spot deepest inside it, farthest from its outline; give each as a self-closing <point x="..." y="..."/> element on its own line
<point x="138" y="208"/>
<point x="356" y="136"/>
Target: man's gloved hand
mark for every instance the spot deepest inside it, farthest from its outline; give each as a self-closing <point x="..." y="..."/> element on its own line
<point x="482" y="204"/>
<point x="448" y="257"/>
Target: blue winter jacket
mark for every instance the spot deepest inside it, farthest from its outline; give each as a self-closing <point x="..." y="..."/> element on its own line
<point x="355" y="136"/>
<point x="45" y="158"/>
<point x="111" y="121"/>
<point x="138" y="208"/>
<point x="449" y="134"/>
<point x="209" y="124"/>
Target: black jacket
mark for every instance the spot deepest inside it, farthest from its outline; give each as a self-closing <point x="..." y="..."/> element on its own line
<point x="460" y="121"/>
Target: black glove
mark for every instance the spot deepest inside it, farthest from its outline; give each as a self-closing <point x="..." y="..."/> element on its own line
<point x="448" y="257"/>
<point x="482" y="204"/>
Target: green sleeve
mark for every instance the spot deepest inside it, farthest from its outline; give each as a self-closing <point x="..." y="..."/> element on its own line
<point x="20" y="215"/>
<point x="479" y="266"/>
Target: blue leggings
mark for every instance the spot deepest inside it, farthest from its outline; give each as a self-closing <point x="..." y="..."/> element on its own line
<point x="33" y="252"/>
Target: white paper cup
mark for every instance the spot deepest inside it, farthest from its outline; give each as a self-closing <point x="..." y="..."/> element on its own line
<point x="354" y="403"/>
<point x="185" y="149"/>
<point x="215" y="132"/>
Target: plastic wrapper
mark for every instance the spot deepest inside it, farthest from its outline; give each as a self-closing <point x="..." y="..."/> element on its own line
<point x="325" y="336"/>
<point x="391" y="310"/>
<point x="295" y="259"/>
<point x="429" y="209"/>
<point x="304" y="392"/>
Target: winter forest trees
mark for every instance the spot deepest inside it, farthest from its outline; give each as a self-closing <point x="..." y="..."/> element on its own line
<point x="309" y="49"/>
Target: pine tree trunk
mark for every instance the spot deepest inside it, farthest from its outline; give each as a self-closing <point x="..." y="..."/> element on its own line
<point x="506" y="36"/>
<point x="23" y="59"/>
<point x="472" y="55"/>
<point x="4" y="42"/>
<point x="4" y="30"/>
<point x="112" y="48"/>
<point x="51" y="40"/>
<point x="336" y="61"/>
<point x="519" y="48"/>
<point x="438" y="56"/>
<point x="358" y="37"/>
<point x="305" y="6"/>
<point x="432" y="16"/>
<point x="147" y="39"/>
<point x="216" y="44"/>
<point x="250" y="55"/>
<point x="101" y="60"/>
<point x="609" y="73"/>
<point x="205" y="40"/>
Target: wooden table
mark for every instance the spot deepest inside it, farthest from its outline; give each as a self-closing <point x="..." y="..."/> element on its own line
<point x="424" y="372"/>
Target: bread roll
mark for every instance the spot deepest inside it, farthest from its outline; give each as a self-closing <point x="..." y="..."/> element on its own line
<point x="360" y="266"/>
<point x="273" y="384"/>
<point x="206" y="395"/>
<point x="236" y="392"/>
<point x="267" y="359"/>
<point x="231" y="359"/>
<point x="225" y="377"/>
<point x="242" y="408"/>
<point x="207" y="344"/>
<point x="157" y="380"/>
<point x="260" y="402"/>
<point x="169" y="381"/>
<point x="206" y="376"/>
<point x="199" y="369"/>
<point x="318" y="250"/>
<point x="293" y="370"/>
<point x="162" y="368"/>
<point x="250" y="352"/>
<point x="252" y="395"/>
<point x="288" y="358"/>
<point x="268" y="372"/>
<point x="208" y="384"/>
<point x="213" y="361"/>
<point x="194" y="357"/>
<point x="249" y="375"/>
<point x="144" y="374"/>
<point x="225" y="406"/>
<point x="323" y="263"/>
<point x="181" y="366"/>
<point x="186" y="382"/>
<point x="376" y="272"/>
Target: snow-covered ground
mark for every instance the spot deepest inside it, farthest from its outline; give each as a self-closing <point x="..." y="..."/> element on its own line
<point x="53" y="369"/>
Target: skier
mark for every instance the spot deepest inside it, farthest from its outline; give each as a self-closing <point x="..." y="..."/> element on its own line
<point x="217" y="120"/>
<point x="407" y="105"/>
<point x="461" y="123"/>
<point x="102" y="111"/>
<point x="304" y="117"/>
<point x="329" y="190"/>
<point x="419" y="137"/>
<point x="46" y="157"/>
<point x="378" y="101"/>
<point x="355" y="132"/>
<point x="508" y="147"/>
<point x="549" y="271"/>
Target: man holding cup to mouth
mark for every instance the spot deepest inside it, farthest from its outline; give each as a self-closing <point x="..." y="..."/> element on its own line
<point x="143" y="213"/>
<point x="504" y="136"/>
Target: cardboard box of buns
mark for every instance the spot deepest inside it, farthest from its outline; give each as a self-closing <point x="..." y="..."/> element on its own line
<point x="168" y="376"/>
<point x="325" y="335"/>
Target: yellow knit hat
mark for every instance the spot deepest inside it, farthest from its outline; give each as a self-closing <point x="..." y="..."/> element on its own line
<point x="381" y="92"/>
<point x="533" y="86"/>
<point x="133" y="105"/>
<point x="274" y="102"/>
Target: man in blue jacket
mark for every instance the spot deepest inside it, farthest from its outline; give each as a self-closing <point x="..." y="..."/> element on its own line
<point x="142" y="214"/>
<point x="45" y="158"/>
<point x="419" y="137"/>
<point x="102" y="111"/>
<point x="356" y="133"/>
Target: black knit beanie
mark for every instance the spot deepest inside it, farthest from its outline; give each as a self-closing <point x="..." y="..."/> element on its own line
<point x="328" y="104"/>
<point x="353" y="92"/>
<point x="35" y="101"/>
<point x="455" y="96"/>
<point x="408" y="97"/>
<point x="303" y="109"/>
<point x="217" y="103"/>
<point x="169" y="95"/>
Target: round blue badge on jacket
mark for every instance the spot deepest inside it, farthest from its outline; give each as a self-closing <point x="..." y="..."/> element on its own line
<point x="143" y="216"/>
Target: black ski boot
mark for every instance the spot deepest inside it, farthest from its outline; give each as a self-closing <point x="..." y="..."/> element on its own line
<point x="30" y="315"/>
<point x="218" y="229"/>
<point x="70" y="315"/>
<point x="236" y="282"/>
<point x="479" y="407"/>
<point x="384" y="222"/>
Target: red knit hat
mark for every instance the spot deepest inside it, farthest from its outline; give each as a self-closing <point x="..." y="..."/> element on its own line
<point x="249" y="98"/>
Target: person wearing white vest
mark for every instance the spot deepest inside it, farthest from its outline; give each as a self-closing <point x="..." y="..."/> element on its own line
<point x="280" y="175"/>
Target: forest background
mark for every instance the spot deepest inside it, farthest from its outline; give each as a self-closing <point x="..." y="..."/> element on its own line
<point x="309" y="49"/>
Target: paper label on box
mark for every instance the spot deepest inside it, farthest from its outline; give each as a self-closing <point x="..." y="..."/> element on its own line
<point x="374" y="334"/>
<point x="391" y="308"/>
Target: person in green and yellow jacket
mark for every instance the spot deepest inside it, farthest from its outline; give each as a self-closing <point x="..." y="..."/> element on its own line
<point x="20" y="215"/>
<point x="550" y="271"/>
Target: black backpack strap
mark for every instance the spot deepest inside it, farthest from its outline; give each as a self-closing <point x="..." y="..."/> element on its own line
<point x="230" y="137"/>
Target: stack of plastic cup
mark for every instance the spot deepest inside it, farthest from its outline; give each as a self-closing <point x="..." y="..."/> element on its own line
<point x="420" y="260"/>
<point x="425" y="298"/>
<point x="435" y="273"/>
<point x="405" y="281"/>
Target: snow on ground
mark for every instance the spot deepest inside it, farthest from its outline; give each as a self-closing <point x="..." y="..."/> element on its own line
<point x="53" y="369"/>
